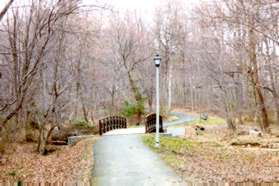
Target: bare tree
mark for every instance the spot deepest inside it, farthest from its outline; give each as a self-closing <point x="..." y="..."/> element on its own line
<point x="130" y="44"/>
<point x="5" y="9"/>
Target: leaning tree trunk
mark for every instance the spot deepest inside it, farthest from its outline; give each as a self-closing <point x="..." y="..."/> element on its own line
<point x="254" y="74"/>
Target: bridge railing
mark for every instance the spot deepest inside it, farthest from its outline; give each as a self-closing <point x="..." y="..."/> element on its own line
<point x="111" y="123"/>
<point x="150" y="123"/>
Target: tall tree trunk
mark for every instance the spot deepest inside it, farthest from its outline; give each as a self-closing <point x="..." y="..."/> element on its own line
<point x="192" y="94"/>
<point x="42" y="141"/>
<point x="272" y="82"/>
<point x="79" y="93"/>
<point x="150" y="104"/>
<point x="229" y="118"/>
<point x="85" y="113"/>
<point x="170" y="86"/>
<point x="112" y="94"/>
<point x="150" y="100"/>
<point x="254" y="73"/>
<point x="137" y="96"/>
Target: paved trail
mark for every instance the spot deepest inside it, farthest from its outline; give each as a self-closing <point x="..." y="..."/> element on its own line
<point x="121" y="159"/>
<point x="125" y="161"/>
<point x="183" y="118"/>
<point x="171" y="126"/>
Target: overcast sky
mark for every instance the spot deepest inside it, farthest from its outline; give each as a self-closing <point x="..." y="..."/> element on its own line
<point x="141" y="6"/>
<point x="144" y="8"/>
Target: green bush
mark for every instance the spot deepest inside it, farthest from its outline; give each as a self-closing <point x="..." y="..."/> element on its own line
<point x="80" y="123"/>
<point x="131" y="109"/>
<point x="12" y="173"/>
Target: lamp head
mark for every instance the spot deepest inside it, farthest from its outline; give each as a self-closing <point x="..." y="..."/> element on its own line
<point x="157" y="60"/>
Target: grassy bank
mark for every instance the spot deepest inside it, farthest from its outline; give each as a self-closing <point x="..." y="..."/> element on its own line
<point x="216" y="161"/>
<point x="212" y="120"/>
<point x="171" y="148"/>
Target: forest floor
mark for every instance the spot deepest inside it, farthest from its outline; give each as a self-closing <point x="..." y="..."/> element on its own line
<point x="66" y="164"/>
<point x="217" y="155"/>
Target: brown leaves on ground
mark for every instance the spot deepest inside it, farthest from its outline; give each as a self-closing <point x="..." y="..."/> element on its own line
<point x="66" y="163"/>
<point x="215" y="159"/>
<point x="231" y="164"/>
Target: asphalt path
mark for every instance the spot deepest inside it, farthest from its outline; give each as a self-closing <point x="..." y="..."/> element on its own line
<point x="121" y="158"/>
<point x="182" y="119"/>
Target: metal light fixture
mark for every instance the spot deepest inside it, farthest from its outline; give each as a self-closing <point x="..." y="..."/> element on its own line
<point x="157" y="61"/>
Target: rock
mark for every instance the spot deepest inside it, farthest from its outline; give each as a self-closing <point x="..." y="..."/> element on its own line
<point x="72" y="140"/>
<point x="58" y="142"/>
<point x="204" y="116"/>
<point x="251" y="141"/>
<point x="199" y="129"/>
<point x="255" y="132"/>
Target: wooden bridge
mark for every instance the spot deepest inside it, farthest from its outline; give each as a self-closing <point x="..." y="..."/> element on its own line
<point x="111" y="123"/>
<point x="118" y="122"/>
<point x="150" y="123"/>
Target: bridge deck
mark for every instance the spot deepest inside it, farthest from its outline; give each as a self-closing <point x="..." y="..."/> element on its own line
<point x="139" y="130"/>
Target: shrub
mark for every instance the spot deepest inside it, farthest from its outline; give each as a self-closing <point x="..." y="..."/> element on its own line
<point x="81" y="126"/>
<point x="131" y="109"/>
<point x="80" y="123"/>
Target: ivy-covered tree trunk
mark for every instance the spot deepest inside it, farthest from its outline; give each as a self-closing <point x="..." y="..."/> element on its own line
<point x="138" y="97"/>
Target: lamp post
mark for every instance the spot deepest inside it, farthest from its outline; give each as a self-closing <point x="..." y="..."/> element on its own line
<point x="157" y="61"/>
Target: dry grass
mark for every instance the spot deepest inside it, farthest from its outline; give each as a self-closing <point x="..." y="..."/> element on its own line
<point x="212" y="158"/>
<point x="171" y="118"/>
